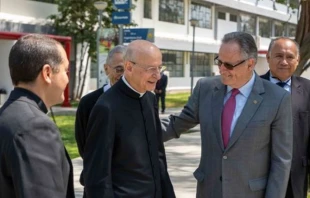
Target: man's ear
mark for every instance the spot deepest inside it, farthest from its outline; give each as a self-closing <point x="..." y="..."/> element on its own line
<point x="106" y="70"/>
<point x="251" y="63"/>
<point x="47" y="73"/>
<point x="267" y="57"/>
<point x="128" y="66"/>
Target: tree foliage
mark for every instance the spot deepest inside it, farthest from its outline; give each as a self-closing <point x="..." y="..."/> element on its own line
<point x="79" y="20"/>
<point x="303" y="36"/>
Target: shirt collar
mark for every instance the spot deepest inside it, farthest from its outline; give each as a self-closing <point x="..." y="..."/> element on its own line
<point x="32" y="96"/>
<point x="126" y="82"/>
<point x="245" y="89"/>
<point x="106" y="87"/>
<point x="276" y="80"/>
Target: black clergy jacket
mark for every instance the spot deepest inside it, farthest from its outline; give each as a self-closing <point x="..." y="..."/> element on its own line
<point x="124" y="155"/>
<point x="33" y="160"/>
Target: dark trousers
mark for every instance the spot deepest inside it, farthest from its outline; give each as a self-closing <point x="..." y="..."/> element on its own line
<point x="289" y="191"/>
<point x="162" y="97"/>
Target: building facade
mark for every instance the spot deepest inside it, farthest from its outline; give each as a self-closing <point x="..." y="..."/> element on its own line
<point x="264" y="19"/>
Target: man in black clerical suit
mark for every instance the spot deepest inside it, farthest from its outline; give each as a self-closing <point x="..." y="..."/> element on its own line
<point x="283" y="58"/>
<point x="160" y="91"/>
<point x="124" y="155"/>
<point x="114" y="69"/>
<point x="34" y="162"/>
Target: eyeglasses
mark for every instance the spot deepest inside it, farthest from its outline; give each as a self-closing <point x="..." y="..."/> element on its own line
<point x="150" y="70"/>
<point x="118" y="69"/>
<point x="229" y="66"/>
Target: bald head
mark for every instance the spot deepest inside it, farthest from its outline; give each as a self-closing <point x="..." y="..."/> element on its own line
<point x="140" y="49"/>
<point x="143" y="62"/>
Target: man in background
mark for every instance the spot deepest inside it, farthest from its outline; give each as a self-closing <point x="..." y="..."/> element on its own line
<point x="246" y="127"/>
<point x="114" y="69"/>
<point x="160" y="91"/>
<point x="124" y="154"/>
<point x="283" y="58"/>
<point x="34" y="162"/>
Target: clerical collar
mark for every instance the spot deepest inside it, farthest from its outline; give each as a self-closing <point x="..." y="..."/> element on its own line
<point x="32" y="96"/>
<point x="275" y="80"/>
<point x="126" y="82"/>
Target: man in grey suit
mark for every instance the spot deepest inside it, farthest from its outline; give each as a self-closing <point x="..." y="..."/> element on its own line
<point x="33" y="160"/>
<point x="246" y="127"/>
<point x="283" y="58"/>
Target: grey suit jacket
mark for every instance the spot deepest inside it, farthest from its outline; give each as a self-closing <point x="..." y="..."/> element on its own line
<point x="257" y="160"/>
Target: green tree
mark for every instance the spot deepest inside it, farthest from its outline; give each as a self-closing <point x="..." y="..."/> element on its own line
<point x="79" y="20"/>
<point x="303" y="37"/>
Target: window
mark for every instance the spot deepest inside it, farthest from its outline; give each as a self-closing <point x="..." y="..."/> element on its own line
<point x="174" y="61"/>
<point x="147" y="9"/>
<point x="221" y="15"/>
<point x="202" y="65"/>
<point x="247" y="23"/>
<point x="171" y="11"/>
<point x="291" y="30"/>
<point x="233" y="18"/>
<point x="203" y="14"/>
<point x="278" y="29"/>
<point x="264" y="27"/>
<point x="46" y="1"/>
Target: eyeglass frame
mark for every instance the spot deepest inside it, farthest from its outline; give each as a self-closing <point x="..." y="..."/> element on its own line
<point x="228" y="66"/>
<point x="150" y="69"/>
<point x="118" y="67"/>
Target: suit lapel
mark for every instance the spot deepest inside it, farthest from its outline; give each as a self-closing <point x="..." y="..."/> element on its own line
<point x="217" y="108"/>
<point x="253" y="102"/>
<point x="296" y="91"/>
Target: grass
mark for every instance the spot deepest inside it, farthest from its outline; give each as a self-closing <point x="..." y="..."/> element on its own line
<point x="66" y="127"/>
<point x="176" y="99"/>
<point x="66" y="123"/>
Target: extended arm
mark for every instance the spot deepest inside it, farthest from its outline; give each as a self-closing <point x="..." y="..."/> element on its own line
<point x="175" y="125"/>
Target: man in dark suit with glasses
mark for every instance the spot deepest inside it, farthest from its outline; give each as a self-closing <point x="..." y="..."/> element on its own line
<point x="114" y="68"/>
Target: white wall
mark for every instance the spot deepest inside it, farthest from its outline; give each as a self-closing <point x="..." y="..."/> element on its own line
<point x="5" y="78"/>
<point x="31" y="9"/>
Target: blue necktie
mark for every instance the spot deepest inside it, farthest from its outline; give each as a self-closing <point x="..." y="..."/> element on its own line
<point x="281" y="84"/>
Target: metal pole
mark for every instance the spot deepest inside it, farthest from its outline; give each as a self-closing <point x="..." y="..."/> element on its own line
<point x="98" y="50"/>
<point x="193" y="61"/>
<point x="120" y="34"/>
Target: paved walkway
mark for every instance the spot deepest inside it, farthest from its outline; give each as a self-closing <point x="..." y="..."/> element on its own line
<point x="182" y="156"/>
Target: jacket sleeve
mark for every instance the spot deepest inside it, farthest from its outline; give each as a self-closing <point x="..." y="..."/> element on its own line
<point x="38" y="161"/>
<point x="281" y="150"/>
<point x="177" y="124"/>
<point x="80" y="126"/>
<point x="98" y="152"/>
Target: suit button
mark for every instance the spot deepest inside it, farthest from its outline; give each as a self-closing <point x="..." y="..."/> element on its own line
<point x="220" y="178"/>
<point x="225" y="157"/>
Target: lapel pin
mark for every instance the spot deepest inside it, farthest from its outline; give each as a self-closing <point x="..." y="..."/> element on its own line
<point x="255" y="101"/>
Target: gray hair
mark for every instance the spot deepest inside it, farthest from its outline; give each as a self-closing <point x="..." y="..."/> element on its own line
<point x="245" y="41"/>
<point x="117" y="49"/>
<point x="284" y="38"/>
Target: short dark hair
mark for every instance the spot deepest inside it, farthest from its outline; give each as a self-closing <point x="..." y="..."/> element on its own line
<point x="29" y="54"/>
<point x="284" y="38"/>
<point x="245" y="41"/>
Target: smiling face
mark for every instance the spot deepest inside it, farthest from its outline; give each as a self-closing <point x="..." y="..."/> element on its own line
<point x="239" y="75"/>
<point x="283" y="59"/>
<point x="138" y="64"/>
